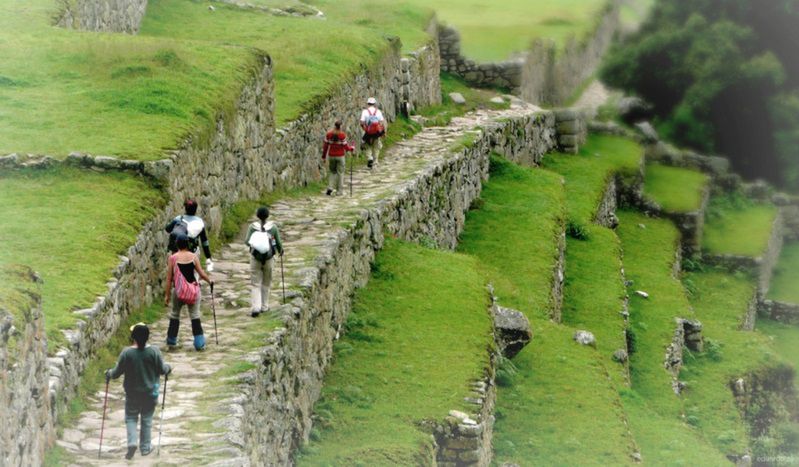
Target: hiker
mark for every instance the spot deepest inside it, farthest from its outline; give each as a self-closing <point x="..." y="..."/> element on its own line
<point x="263" y="239"/>
<point x="336" y="147"/>
<point x="374" y="128"/>
<point x="183" y="288"/>
<point x="193" y="227"/>
<point x="142" y="366"/>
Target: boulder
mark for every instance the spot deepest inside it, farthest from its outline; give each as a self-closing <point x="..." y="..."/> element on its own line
<point x="511" y="330"/>
<point x="497" y="100"/>
<point x="620" y="356"/>
<point x="457" y="98"/>
<point x="633" y="109"/>
<point x="585" y="338"/>
<point x="648" y="132"/>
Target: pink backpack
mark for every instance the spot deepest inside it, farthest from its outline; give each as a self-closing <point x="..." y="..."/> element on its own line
<point x="185" y="291"/>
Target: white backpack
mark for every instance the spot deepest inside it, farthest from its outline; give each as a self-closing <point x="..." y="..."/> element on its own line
<point x="261" y="240"/>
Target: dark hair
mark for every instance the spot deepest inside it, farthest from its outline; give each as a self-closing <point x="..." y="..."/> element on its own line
<point x="191" y="207"/>
<point x="262" y="213"/>
<point x="338" y="124"/>
<point x="140" y="334"/>
<point x="182" y="242"/>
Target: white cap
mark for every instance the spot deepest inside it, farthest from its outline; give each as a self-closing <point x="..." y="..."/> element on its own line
<point x="371" y="101"/>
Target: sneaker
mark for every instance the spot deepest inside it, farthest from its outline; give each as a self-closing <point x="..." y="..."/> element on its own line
<point x="130" y="453"/>
<point x="264" y="309"/>
<point x="255" y="313"/>
<point x="329" y="192"/>
<point x="199" y="342"/>
<point x="370" y="163"/>
<point x="145" y="452"/>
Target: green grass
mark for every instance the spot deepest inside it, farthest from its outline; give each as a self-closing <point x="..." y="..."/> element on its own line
<point x="312" y="57"/>
<point x="442" y="114"/>
<point x="655" y="412"/>
<point x="534" y="200"/>
<point x="785" y="283"/>
<point x="493" y="30"/>
<point x="736" y="225"/>
<point x="17" y="291"/>
<point x="541" y="410"/>
<point x="675" y="189"/>
<point x="110" y="94"/>
<point x="69" y="225"/>
<point x="785" y="339"/>
<point x="409" y="354"/>
<point x="588" y="172"/>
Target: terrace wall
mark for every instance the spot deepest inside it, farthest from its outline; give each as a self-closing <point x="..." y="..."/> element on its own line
<point x="102" y="15"/>
<point x="26" y="427"/>
<point x="288" y="379"/>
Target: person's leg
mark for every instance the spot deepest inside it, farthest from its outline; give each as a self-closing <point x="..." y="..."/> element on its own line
<point x="378" y="145"/>
<point x="256" y="282"/>
<point x="340" y="164"/>
<point x="196" y="326"/>
<point x="174" y="321"/>
<point x="131" y="419"/>
<point x="266" y="284"/>
<point x="370" y="152"/>
<point x="147" y="410"/>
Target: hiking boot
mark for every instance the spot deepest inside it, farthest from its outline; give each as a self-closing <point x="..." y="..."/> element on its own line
<point x="329" y="192"/>
<point x="255" y="313"/>
<point x="130" y="453"/>
<point x="145" y="452"/>
<point x="199" y="342"/>
<point x="370" y="163"/>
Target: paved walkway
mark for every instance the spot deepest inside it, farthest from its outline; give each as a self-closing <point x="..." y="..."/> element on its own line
<point x="199" y="414"/>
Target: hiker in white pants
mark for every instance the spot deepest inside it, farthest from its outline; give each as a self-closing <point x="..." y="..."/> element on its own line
<point x="374" y="128"/>
<point x="263" y="239"/>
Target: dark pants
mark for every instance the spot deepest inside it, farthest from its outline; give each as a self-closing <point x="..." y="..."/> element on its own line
<point x="137" y="405"/>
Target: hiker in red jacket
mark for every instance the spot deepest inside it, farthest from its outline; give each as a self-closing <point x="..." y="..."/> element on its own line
<point x="335" y="147"/>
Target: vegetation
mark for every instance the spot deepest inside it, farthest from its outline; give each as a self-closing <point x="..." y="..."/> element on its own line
<point x="387" y="375"/>
<point x="54" y="218"/>
<point x="785" y="339"/>
<point x="442" y="114"/>
<point x="722" y="77"/>
<point x="786" y="275"/>
<point x="737" y="225"/>
<point x="588" y="173"/>
<point x="675" y="189"/>
<point x="493" y="30"/>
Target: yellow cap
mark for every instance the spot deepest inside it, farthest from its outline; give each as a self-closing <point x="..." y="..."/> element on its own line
<point x="137" y="324"/>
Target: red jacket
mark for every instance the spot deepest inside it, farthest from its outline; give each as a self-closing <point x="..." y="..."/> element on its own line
<point x="336" y="144"/>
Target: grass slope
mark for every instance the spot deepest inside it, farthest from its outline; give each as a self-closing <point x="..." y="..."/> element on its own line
<point x="69" y="225"/>
<point x="493" y="30"/>
<point x="409" y="354"/>
<point x="784" y="339"/>
<point x="736" y="225"/>
<point x="785" y="283"/>
<point x="110" y="94"/>
<point x="542" y="408"/>
<point x="675" y="189"/>
<point x="654" y="411"/>
<point x="588" y="173"/>
<point x="311" y="56"/>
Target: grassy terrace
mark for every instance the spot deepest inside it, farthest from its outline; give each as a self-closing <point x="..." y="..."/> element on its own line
<point x="69" y="225"/>
<point x="545" y="392"/>
<point x="409" y="354"/>
<point x="654" y="412"/>
<point x="736" y="225"/>
<point x="784" y="284"/>
<point x="784" y="339"/>
<point x="501" y="28"/>
<point x="675" y="189"/>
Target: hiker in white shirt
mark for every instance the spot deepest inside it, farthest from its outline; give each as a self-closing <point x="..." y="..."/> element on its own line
<point x="374" y="128"/>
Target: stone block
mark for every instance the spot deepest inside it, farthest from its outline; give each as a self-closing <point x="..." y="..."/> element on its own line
<point x="511" y="330"/>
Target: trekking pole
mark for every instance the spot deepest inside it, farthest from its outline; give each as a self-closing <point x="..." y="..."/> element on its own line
<point x="213" y="310"/>
<point x="161" y="424"/>
<point x="102" y="425"/>
<point x="352" y="162"/>
<point x="282" y="278"/>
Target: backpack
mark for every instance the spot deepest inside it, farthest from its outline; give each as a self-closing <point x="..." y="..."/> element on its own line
<point x="262" y="243"/>
<point x="373" y="125"/>
<point x="191" y="229"/>
<point x="185" y="291"/>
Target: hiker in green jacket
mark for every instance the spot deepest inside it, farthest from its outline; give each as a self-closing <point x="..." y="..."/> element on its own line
<point x="142" y="366"/>
<point x="263" y="239"/>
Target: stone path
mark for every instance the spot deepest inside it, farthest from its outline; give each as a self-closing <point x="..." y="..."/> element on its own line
<point x="593" y="97"/>
<point x="203" y="401"/>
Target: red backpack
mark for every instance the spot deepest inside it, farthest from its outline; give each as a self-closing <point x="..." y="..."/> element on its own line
<point x="185" y="291"/>
<point x="373" y="125"/>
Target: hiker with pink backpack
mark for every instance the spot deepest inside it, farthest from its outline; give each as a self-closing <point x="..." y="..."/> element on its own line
<point x="374" y="128"/>
<point x="183" y="288"/>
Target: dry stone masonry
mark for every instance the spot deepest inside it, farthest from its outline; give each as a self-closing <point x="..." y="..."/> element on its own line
<point x="102" y="15"/>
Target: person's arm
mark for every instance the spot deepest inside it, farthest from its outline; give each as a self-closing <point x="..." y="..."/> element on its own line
<point x="250" y="231"/>
<point x="205" y="243"/>
<point x="170" y="266"/>
<point x="199" y="269"/>
<point x="276" y="235"/>
<point x="364" y="115"/>
<point x="325" y="148"/>
<point x="171" y="225"/>
<point x="163" y="368"/>
<point x="117" y="371"/>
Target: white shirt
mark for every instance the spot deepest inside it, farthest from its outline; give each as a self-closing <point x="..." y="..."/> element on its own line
<point x="365" y="114"/>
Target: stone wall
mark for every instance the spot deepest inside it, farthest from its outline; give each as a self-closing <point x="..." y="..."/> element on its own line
<point x="787" y="313"/>
<point x="288" y="379"/>
<point x="102" y="15"/>
<point x="506" y="74"/>
<point x="551" y="75"/>
<point x="26" y="427"/>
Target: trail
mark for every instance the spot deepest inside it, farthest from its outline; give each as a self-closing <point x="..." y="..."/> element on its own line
<point x="203" y="400"/>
